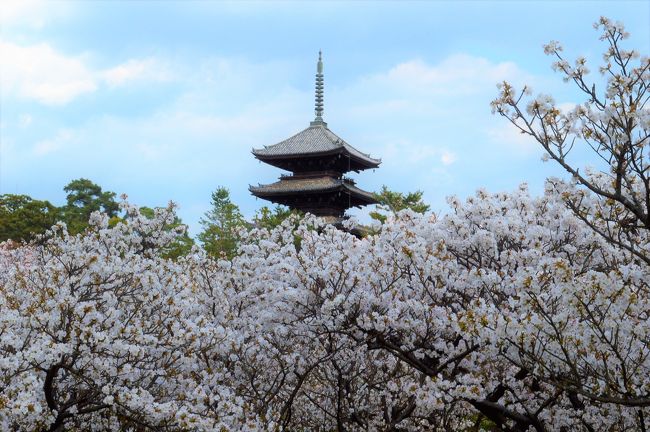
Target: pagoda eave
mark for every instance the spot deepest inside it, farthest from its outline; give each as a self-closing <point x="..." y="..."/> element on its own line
<point x="355" y="162"/>
<point x="318" y="186"/>
<point x="361" y="198"/>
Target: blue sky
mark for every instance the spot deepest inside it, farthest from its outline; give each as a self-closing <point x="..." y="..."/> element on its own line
<point x="164" y="100"/>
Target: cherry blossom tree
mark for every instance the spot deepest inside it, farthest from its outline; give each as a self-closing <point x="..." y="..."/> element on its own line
<point x="602" y="356"/>
<point x="510" y="312"/>
<point x="613" y="122"/>
<point x="97" y="332"/>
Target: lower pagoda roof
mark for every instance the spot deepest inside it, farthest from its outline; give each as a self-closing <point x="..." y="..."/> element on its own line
<point x="292" y="186"/>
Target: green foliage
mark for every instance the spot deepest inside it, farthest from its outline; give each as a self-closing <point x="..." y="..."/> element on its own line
<point x="481" y="424"/>
<point x="392" y="202"/>
<point x="271" y="218"/>
<point x="220" y="225"/>
<point x="183" y="244"/>
<point x="22" y="218"/>
<point x="147" y="212"/>
<point x="85" y="197"/>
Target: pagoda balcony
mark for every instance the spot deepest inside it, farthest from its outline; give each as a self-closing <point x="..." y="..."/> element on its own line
<point x="312" y="174"/>
<point x="318" y="174"/>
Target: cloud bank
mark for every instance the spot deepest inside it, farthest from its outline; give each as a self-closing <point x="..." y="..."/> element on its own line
<point x="41" y="73"/>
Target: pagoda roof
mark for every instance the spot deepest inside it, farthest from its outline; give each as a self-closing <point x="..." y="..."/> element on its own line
<point x="307" y="185"/>
<point x="316" y="140"/>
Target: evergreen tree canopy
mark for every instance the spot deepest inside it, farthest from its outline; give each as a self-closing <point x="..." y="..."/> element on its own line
<point x="22" y="218"/>
<point x="83" y="198"/>
<point x="220" y="225"/>
<point x="270" y="218"/>
<point x="392" y="202"/>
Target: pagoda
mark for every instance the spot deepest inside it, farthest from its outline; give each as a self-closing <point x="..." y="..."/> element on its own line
<point x="317" y="159"/>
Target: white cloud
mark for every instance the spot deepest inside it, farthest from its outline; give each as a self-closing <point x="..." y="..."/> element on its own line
<point x="48" y="146"/>
<point x="429" y="103"/>
<point x="566" y="107"/>
<point x="15" y="9"/>
<point x="149" y="151"/>
<point x="427" y="121"/>
<point x="30" y="13"/>
<point x="457" y="75"/>
<point x="41" y="73"/>
<point x="25" y="120"/>
<point x="447" y="157"/>
<point x="148" y="69"/>
<point x="507" y="136"/>
<point x="416" y="154"/>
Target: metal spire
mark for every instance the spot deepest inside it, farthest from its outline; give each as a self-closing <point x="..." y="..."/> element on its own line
<point x="319" y="91"/>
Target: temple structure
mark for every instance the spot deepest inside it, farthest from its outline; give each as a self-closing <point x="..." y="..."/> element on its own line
<point x="317" y="159"/>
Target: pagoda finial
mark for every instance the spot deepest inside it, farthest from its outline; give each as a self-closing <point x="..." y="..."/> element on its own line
<point x="319" y="91"/>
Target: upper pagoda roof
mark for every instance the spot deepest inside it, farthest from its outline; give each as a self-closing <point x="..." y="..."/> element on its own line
<point x="316" y="140"/>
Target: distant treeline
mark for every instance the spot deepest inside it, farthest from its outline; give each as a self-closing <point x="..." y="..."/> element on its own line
<point x="24" y="219"/>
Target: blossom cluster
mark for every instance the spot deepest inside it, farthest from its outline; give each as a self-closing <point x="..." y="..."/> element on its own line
<point x="510" y="310"/>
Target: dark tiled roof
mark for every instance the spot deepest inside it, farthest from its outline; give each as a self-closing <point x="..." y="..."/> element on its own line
<point x="322" y="184"/>
<point x="315" y="139"/>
